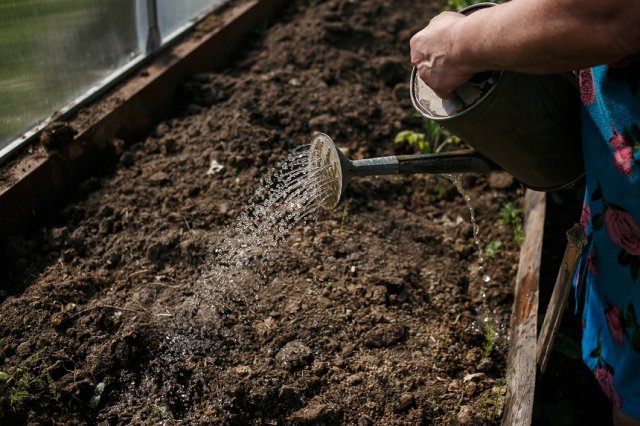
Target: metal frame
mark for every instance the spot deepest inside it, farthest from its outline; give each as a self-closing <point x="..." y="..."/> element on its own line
<point x="154" y="45"/>
<point x="32" y="184"/>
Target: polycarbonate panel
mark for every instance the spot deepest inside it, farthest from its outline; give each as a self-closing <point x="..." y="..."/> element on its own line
<point x="174" y="14"/>
<point x="52" y="51"/>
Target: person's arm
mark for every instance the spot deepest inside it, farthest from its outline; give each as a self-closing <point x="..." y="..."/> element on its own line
<point x="533" y="36"/>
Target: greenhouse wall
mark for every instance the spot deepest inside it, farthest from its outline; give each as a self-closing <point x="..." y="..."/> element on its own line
<point x="54" y="51"/>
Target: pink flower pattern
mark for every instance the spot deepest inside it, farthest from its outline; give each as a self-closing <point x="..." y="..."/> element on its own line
<point x="585" y="217"/>
<point x="605" y="380"/>
<point x="587" y="92"/>
<point x="615" y="322"/>
<point x="611" y="269"/>
<point x="623" y="231"/>
<point x="622" y="153"/>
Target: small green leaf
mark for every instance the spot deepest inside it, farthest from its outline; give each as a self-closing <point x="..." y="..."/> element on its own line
<point x="401" y="137"/>
<point x="492" y="248"/>
<point x="3" y="376"/>
<point x="97" y="395"/>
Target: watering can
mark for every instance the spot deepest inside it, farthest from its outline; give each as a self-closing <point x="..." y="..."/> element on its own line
<point x="527" y="125"/>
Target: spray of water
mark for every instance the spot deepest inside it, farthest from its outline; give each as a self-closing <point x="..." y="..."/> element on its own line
<point x="456" y="179"/>
<point x="489" y="326"/>
<point x="243" y="258"/>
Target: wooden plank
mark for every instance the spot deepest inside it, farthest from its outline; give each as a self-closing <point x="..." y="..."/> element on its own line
<point x="521" y="364"/>
<point x="576" y="242"/>
<point x="33" y="183"/>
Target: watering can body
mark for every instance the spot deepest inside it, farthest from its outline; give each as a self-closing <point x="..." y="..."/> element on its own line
<point x="529" y="125"/>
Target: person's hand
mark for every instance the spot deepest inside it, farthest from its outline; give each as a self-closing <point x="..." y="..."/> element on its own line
<point x="432" y="52"/>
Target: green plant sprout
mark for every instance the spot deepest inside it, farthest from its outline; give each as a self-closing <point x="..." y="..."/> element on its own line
<point x="159" y="411"/>
<point x="434" y="139"/>
<point x="439" y="136"/>
<point x="511" y="215"/>
<point x="94" y="402"/>
<point x="492" y="248"/>
<point x="414" y="139"/>
<point x="28" y="379"/>
<point x="489" y="331"/>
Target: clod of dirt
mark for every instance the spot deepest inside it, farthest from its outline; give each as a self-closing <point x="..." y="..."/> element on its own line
<point x="485" y="364"/>
<point x="56" y="135"/>
<point x="169" y="146"/>
<point x="465" y="416"/>
<point x="294" y="355"/>
<point x="384" y="335"/>
<point x="161" y="130"/>
<point x="322" y="122"/>
<point x="317" y="413"/>
<point x="500" y="180"/>
<point x="159" y="178"/>
<point x="405" y="402"/>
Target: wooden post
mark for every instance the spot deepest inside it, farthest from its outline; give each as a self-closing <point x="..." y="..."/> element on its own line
<point x="521" y="364"/>
<point x="576" y="241"/>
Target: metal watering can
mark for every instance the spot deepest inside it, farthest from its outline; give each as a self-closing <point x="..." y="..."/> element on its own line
<point x="527" y="125"/>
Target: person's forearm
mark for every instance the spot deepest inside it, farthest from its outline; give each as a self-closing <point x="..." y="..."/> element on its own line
<point x="546" y="36"/>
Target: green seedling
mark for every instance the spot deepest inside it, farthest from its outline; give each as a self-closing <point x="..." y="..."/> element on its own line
<point x="24" y="384"/>
<point x="414" y="139"/>
<point x="439" y="136"/>
<point x="29" y="379"/>
<point x="492" y="248"/>
<point x="489" y="331"/>
<point x="159" y="411"/>
<point x="434" y="138"/>
<point x="97" y="395"/>
<point x="511" y="215"/>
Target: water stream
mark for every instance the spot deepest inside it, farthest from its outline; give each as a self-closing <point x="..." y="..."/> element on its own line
<point x="291" y="193"/>
<point x="489" y="326"/>
<point x="456" y="179"/>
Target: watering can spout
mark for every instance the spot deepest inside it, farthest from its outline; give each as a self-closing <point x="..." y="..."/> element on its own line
<point x="338" y="169"/>
<point x="460" y="161"/>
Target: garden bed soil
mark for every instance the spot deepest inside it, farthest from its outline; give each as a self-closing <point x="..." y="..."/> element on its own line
<point x="370" y="314"/>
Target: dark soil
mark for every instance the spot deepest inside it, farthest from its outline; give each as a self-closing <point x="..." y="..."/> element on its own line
<point x="370" y="315"/>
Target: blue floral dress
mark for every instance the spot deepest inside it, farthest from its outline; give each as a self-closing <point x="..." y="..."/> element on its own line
<point x="608" y="278"/>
